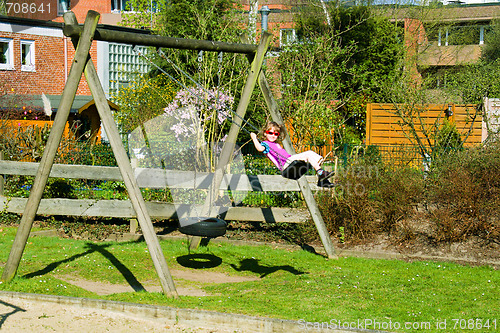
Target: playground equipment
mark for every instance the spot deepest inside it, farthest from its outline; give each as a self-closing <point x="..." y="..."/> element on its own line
<point x="82" y="38"/>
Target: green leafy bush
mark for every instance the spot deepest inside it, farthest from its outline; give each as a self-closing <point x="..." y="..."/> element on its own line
<point x="87" y="153"/>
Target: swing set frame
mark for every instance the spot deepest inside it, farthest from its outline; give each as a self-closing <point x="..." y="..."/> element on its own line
<point x="82" y="37"/>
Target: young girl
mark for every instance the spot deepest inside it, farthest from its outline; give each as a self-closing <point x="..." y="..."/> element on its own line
<point x="282" y="159"/>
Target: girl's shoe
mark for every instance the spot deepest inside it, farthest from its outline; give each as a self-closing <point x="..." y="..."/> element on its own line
<point x="324" y="182"/>
<point x="325" y="175"/>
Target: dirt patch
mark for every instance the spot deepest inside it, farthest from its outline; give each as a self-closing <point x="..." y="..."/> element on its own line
<point x="31" y="316"/>
<point x="473" y="252"/>
<point x="412" y="240"/>
<point x="180" y="278"/>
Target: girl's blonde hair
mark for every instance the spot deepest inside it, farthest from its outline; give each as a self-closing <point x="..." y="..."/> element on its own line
<point x="273" y="124"/>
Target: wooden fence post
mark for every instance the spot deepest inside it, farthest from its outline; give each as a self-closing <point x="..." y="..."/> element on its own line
<point x="304" y="186"/>
<point x="56" y="132"/>
<point x="2" y="177"/>
<point x="133" y="226"/>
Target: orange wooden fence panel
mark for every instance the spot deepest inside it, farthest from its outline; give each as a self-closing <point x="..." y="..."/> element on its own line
<point x="385" y="127"/>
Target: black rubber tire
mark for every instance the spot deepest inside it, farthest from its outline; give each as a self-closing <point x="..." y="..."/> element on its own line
<point x="210" y="227"/>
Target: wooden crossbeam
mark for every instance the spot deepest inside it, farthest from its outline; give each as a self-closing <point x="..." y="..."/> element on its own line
<point x="157" y="210"/>
<point x="161" y="179"/>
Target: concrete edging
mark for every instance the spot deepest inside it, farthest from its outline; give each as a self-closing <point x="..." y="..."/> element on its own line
<point x="186" y="317"/>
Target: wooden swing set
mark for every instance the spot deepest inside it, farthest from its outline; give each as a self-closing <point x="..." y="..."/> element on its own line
<point x="82" y="38"/>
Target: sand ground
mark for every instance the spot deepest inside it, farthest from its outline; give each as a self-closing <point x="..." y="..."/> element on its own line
<point x="21" y="315"/>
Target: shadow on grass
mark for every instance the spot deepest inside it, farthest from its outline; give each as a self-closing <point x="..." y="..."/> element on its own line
<point x="252" y="265"/>
<point x="127" y="274"/>
<point x="199" y="260"/>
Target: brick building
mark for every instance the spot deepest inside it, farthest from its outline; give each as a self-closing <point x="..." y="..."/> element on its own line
<point x="35" y="59"/>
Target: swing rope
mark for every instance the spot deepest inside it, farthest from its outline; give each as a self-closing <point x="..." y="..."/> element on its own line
<point x="303" y="167"/>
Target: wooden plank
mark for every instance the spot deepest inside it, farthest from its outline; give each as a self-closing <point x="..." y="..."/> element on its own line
<point x="377" y="113"/>
<point x="397" y="122"/>
<point x="116" y="35"/>
<point x="157" y="210"/>
<point x="62" y="171"/>
<point x="157" y="178"/>
<point x="369" y="124"/>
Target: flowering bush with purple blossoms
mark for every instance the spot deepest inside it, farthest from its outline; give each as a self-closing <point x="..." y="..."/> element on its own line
<point x="199" y="111"/>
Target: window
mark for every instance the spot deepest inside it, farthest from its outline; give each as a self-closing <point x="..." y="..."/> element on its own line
<point x="124" y="5"/>
<point x="6" y="53"/>
<point x="28" y="55"/>
<point x="63" y="6"/>
<point x="118" y="5"/>
<point x="287" y="37"/>
<point x="458" y="35"/>
<point x="124" y="63"/>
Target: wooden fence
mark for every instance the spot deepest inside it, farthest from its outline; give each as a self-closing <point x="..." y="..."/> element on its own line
<point x="383" y="123"/>
<point x="153" y="179"/>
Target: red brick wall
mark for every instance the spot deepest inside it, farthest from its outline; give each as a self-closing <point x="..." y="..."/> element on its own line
<point x="52" y="59"/>
<point x="49" y="76"/>
<point x="81" y="7"/>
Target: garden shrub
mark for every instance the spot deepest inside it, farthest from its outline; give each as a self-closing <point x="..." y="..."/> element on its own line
<point x="447" y="140"/>
<point x="465" y="191"/>
<point x="87" y="153"/>
<point x="370" y="199"/>
<point x="397" y="195"/>
<point x="9" y="218"/>
<point x="59" y="188"/>
<point x="349" y="206"/>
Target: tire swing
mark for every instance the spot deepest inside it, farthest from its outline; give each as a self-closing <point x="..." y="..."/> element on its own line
<point x="212" y="227"/>
<point x="206" y="227"/>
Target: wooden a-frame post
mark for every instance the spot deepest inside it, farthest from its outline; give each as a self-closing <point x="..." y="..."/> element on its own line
<point x="82" y="62"/>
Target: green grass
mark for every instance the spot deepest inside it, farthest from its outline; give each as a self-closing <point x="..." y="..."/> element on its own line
<point x="295" y="285"/>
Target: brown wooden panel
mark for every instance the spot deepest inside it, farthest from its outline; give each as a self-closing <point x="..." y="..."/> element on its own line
<point x="163" y="210"/>
<point x="383" y="124"/>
